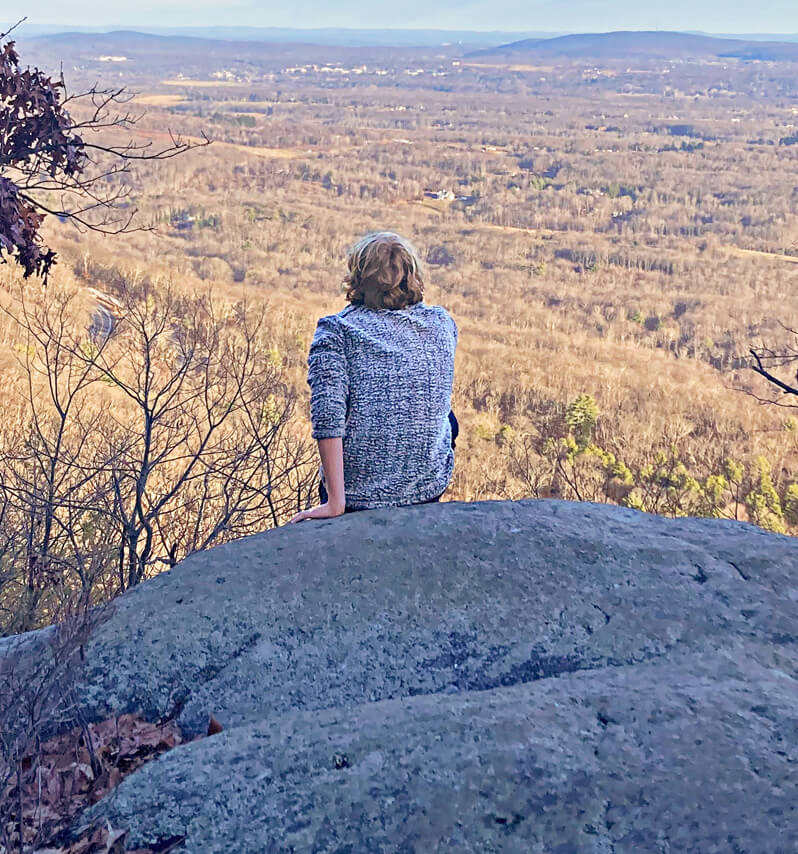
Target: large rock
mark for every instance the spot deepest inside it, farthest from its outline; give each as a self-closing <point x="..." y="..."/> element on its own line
<point x="493" y="677"/>
<point x="694" y="756"/>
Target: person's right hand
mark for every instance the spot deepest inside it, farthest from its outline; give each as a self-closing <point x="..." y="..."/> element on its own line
<point x="323" y="511"/>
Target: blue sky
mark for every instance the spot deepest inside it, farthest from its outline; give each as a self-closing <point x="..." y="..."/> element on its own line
<point x="719" y="16"/>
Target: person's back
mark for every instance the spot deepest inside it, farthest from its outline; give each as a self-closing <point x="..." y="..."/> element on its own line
<point x="380" y="373"/>
<point x="399" y="366"/>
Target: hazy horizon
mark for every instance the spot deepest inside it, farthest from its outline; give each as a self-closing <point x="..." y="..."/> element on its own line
<point x="352" y="37"/>
<point x="772" y="17"/>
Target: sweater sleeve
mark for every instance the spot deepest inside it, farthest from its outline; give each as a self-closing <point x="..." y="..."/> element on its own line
<point x="328" y="378"/>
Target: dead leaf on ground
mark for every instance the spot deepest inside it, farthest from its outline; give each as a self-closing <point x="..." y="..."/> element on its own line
<point x="78" y="768"/>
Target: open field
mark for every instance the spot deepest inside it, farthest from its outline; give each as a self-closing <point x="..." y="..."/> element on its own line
<point x="509" y="66"/>
<point x="159" y="100"/>
<point x="188" y="83"/>
<point x="790" y="259"/>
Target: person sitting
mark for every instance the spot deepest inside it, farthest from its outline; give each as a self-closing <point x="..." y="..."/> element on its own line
<point x="380" y="373"/>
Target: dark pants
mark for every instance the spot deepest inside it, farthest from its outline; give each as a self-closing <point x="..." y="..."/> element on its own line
<point x="455" y="432"/>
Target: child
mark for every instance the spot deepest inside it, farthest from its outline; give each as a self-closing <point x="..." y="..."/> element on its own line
<point x="380" y="373"/>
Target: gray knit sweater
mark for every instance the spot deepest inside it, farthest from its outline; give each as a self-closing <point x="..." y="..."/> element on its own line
<point x="382" y="379"/>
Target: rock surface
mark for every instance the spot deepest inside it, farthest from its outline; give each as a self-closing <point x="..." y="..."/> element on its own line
<point x="535" y="676"/>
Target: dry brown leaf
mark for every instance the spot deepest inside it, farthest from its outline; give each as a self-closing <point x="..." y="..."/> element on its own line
<point x="78" y="768"/>
<point x="46" y="813"/>
<point x="54" y="787"/>
<point x="115" y="777"/>
<point x="115" y="838"/>
<point x="168" y="741"/>
<point x="85" y="771"/>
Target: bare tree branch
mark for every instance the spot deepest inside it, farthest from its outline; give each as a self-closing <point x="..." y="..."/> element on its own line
<point x="780" y="360"/>
<point x="43" y="150"/>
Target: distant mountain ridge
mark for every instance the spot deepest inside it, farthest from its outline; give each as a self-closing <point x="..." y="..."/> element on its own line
<point x="324" y="36"/>
<point x="616" y="45"/>
<point x="643" y="44"/>
<point x="120" y="38"/>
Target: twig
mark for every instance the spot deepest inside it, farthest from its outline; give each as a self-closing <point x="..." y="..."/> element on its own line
<point x="760" y="369"/>
<point x="12" y="28"/>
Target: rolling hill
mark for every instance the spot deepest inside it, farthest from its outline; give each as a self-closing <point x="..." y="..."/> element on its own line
<point x="641" y="44"/>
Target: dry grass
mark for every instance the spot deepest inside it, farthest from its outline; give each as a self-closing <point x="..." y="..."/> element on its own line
<point x="189" y="83"/>
<point x="771" y="256"/>
<point x="252" y="150"/>
<point x="261" y="105"/>
<point x="159" y="100"/>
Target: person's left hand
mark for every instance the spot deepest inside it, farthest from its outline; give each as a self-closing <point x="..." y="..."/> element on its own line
<point x="323" y="511"/>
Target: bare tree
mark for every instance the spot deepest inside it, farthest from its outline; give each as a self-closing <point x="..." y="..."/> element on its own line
<point x="131" y="449"/>
<point x="46" y="154"/>
<point x="50" y="473"/>
<point x="37" y="699"/>
<point x="200" y="443"/>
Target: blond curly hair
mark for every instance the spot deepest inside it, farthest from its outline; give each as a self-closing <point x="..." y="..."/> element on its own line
<point x="384" y="272"/>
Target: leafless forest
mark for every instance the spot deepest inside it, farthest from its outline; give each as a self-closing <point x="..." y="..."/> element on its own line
<point x="612" y="241"/>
